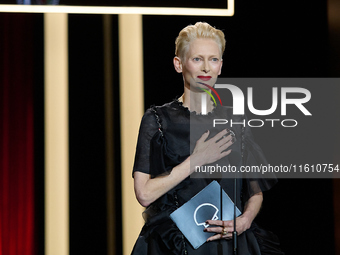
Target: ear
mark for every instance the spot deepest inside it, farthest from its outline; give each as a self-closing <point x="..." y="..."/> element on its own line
<point x="178" y="64"/>
<point x="219" y="72"/>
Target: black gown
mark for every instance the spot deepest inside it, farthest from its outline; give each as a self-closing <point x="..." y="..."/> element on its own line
<point x="164" y="142"/>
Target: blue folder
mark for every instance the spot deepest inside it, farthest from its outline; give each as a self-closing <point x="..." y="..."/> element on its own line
<point x="206" y="205"/>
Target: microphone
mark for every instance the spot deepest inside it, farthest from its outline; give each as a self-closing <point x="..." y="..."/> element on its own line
<point x="235" y="159"/>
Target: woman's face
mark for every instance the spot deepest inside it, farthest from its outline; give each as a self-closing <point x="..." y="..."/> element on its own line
<point x="203" y="62"/>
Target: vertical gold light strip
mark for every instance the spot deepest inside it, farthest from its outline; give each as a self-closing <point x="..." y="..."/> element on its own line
<point x="56" y="135"/>
<point x="109" y="137"/>
<point x="131" y="111"/>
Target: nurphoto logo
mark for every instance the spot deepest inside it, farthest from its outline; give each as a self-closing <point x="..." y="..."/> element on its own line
<point x="301" y="97"/>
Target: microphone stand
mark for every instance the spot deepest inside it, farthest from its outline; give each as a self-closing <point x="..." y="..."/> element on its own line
<point x="235" y="251"/>
<point x="235" y="232"/>
<point x="220" y="247"/>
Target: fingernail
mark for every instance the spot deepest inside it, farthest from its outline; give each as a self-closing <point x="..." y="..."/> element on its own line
<point x="205" y="230"/>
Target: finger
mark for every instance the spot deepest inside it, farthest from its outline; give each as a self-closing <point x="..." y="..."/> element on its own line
<point x="229" y="223"/>
<point x="219" y="236"/>
<point x="220" y="223"/>
<point x="224" y="148"/>
<point x="220" y="135"/>
<point x="226" y="144"/>
<point x="215" y="222"/>
<point x="214" y="237"/>
<point x="218" y="230"/>
<point x="230" y="134"/>
<point x="225" y="153"/>
<point x="204" y="136"/>
<point x="224" y="140"/>
<point x="229" y="235"/>
<point x="224" y="131"/>
<point x="213" y="229"/>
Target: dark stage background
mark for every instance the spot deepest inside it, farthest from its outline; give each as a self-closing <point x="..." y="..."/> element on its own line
<point x="264" y="39"/>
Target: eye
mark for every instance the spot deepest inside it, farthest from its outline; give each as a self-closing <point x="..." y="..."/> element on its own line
<point x="215" y="59"/>
<point x="196" y="59"/>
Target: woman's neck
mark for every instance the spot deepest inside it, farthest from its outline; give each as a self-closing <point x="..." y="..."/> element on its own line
<point x="193" y="101"/>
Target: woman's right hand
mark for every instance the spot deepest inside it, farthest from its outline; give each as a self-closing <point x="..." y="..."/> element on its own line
<point x="149" y="189"/>
<point x="213" y="149"/>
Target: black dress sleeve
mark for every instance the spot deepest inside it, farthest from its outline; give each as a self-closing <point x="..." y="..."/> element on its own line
<point x="153" y="155"/>
<point x="148" y="129"/>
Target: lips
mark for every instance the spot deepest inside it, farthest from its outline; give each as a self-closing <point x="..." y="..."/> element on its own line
<point x="204" y="78"/>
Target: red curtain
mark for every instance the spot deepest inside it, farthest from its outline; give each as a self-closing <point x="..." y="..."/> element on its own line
<point x="17" y="232"/>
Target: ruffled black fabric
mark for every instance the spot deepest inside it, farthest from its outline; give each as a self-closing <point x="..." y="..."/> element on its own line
<point x="164" y="142"/>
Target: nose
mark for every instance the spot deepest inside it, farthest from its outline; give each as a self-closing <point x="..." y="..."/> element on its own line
<point x="206" y="67"/>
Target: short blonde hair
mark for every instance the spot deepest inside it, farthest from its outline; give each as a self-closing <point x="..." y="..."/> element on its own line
<point x="199" y="30"/>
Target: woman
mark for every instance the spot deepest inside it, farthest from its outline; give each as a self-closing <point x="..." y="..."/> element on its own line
<point x="165" y="159"/>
